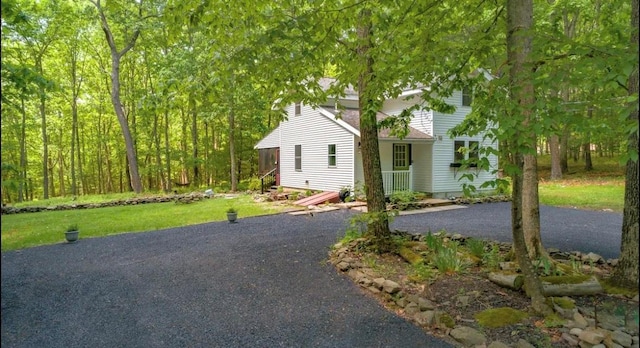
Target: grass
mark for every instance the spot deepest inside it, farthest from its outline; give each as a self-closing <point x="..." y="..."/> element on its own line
<point x="26" y="230"/>
<point x="599" y="189"/>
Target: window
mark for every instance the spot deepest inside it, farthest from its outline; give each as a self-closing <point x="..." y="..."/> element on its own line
<point x="458" y="154"/>
<point x="467" y="96"/>
<point x="298" y="158"/>
<point x="473" y="150"/>
<point x="401" y="156"/>
<point x="298" y="109"/>
<point x="332" y="155"/>
<point x="465" y="150"/>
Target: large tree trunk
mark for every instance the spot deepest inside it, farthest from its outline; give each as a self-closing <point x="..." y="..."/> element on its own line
<point x="519" y="26"/>
<point x="626" y="273"/>
<point x="116" y="55"/>
<point x="378" y="226"/>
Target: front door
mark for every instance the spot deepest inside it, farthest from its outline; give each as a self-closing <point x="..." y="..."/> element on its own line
<point x="401" y="156"/>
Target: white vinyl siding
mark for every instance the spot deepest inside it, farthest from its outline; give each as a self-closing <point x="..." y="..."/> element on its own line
<point x="445" y="178"/>
<point x="315" y="132"/>
<point x="421" y="154"/>
<point x="270" y="141"/>
<point x="422" y="120"/>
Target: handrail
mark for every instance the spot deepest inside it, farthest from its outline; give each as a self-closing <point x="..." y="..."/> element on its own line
<point x="268" y="173"/>
<point x="272" y="179"/>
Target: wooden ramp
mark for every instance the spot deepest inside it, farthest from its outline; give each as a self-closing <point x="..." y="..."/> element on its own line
<point x="320" y="198"/>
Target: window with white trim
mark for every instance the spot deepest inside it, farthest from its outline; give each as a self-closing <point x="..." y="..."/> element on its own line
<point x="298" y="109"/>
<point x="332" y="155"/>
<point x="298" y="158"/>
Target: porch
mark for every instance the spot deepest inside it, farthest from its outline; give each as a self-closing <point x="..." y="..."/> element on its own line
<point x="397" y="180"/>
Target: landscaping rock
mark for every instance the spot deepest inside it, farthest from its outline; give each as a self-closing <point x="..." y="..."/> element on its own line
<point x="425" y="304"/>
<point x="592" y="257"/>
<point x="390" y="287"/>
<point x="497" y="344"/>
<point x="570" y="339"/>
<point x="524" y="344"/>
<point x="468" y="336"/>
<point x="426" y="317"/>
<point x="590" y="336"/>
<point x="622" y="338"/>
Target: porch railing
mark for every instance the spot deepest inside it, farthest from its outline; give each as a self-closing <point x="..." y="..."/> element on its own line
<point x="397" y="180"/>
<point x="268" y="180"/>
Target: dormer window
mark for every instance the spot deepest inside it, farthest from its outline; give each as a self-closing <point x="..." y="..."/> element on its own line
<point x="298" y="109"/>
<point x="467" y="96"/>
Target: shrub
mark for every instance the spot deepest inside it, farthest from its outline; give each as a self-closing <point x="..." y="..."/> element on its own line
<point x="492" y="258"/>
<point x="402" y="199"/>
<point x="476" y="247"/>
<point x="446" y="260"/>
<point x="254" y="184"/>
<point x="433" y="242"/>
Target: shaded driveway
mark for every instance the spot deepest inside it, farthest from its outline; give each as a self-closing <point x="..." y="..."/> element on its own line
<point x="262" y="282"/>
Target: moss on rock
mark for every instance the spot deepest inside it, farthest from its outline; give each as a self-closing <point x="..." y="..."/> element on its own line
<point x="498" y="317"/>
<point x="410" y="256"/>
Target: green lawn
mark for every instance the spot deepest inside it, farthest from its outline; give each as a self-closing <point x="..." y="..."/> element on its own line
<point x="599" y="189"/>
<point x="31" y="229"/>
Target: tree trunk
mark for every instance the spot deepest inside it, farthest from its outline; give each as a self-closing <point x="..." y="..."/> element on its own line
<point x="45" y="139"/>
<point x="564" y="150"/>
<point x="194" y="140"/>
<point x="232" y="149"/>
<point x="626" y="273"/>
<point x="167" y="150"/>
<point x="116" y="55"/>
<point x="556" y="165"/>
<point x="519" y="26"/>
<point x="531" y="209"/>
<point x="378" y="226"/>
<point x="23" y="152"/>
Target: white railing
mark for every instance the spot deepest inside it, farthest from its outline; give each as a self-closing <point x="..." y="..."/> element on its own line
<point x="397" y="180"/>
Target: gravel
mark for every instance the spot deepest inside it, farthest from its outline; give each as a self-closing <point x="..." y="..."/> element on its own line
<point x="262" y="282"/>
<point x="562" y="228"/>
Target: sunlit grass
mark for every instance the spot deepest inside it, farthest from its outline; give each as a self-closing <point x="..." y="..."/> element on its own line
<point x="31" y="229"/>
<point x="599" y="189"/>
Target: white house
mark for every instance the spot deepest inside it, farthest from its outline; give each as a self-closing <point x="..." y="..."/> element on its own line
<point x="318" y="148"/>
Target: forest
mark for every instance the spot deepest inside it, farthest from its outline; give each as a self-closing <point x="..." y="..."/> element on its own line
<point x="159" y="95"/>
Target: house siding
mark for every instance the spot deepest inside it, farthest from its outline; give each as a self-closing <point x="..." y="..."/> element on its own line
<point x="446" y="179"/>
<point x="315" y="132"/>
<point x="422" y="171"/>
<point x="270" y="141"/>
<point x="421" y="120"/>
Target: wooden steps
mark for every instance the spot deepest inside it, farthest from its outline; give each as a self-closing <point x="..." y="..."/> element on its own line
<point x="320" y="198"/>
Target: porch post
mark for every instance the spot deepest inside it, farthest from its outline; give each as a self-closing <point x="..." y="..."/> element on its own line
<point x="411" y="177"/>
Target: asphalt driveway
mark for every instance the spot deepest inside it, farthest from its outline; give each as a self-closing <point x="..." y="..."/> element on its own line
<point x="262" y="282"/>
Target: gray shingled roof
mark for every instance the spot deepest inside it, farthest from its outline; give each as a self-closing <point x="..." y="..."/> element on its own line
<point x="352" y="117"/>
